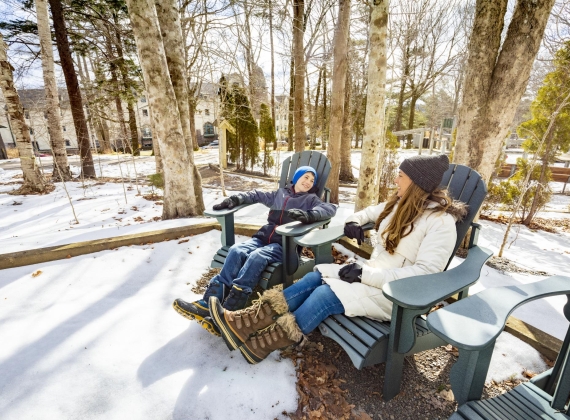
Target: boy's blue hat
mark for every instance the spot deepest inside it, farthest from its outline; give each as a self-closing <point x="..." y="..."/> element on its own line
<point x="301" y="170"/>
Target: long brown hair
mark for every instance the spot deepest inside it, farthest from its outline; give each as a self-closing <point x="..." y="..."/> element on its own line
<point x="411" y="206"/>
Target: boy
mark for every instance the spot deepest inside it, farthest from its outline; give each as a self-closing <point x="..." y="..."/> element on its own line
<point x="246" y="261"/>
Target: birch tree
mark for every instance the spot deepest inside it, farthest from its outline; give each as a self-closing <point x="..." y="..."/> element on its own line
<point x="337" y="98"/>
<point x="34" y="182"/>
<point x="496" y="77"/>
<point x="61" y="170"/>
<point x="179" y="199"/>
<point x="299" y="74"/>
<point x="373" y="141"/>
<point x="169" y="21"/>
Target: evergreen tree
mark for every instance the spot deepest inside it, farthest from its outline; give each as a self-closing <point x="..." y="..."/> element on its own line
<point x="243" y="147"/>
<point x="549" y="109"/>
<point x="267" y="133"/>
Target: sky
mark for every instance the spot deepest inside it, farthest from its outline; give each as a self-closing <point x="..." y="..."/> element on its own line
<point x="95" y="336"/>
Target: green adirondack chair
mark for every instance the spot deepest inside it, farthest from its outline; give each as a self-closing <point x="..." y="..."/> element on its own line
<point x="294" y="265"/>
<point x="473" y="325"/>
<point x="369" y="342"/>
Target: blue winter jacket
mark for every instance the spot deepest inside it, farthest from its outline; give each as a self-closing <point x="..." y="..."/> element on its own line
<point x="281" y="200"/>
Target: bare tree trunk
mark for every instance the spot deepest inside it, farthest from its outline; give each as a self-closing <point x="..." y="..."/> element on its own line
<point x="316" y="111"/>
<point x="496" y="77"/>
<point x="179" y="199"/>
<point x="299" y="54"/>
<point x="101" y="129"/>
<point x="290" y="122"/>
<point x="192" y="118"/>
<point x="270" y="6"/>
<point x="169" y="21"/>
<point x="400" y="108"/>
<point x="34" y="182"/>
<point x="337" y="96"/>
<point x="61" y="170"/>
<point x="346" y="137"/>
<point x="134" y="145"/>
<point x="75" y="100"/>
<point x="373" y="142"/>
<point x="325" y="133"/>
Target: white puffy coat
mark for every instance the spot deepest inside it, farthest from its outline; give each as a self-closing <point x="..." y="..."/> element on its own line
<point x="425" y="250"/>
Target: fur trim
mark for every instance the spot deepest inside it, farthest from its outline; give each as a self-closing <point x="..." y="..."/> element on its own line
<point x="288" y="324"/>
<point x="458" y="210"/>
<point x="276" y="300"/>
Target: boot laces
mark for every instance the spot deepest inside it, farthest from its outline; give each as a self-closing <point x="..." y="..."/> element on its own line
<point x="255" y="307"/>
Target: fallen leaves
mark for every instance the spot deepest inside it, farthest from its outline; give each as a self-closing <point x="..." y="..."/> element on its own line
<point x="36" y="273"/>
<point x="183" y="241"/>
<point x="320" y="395"/>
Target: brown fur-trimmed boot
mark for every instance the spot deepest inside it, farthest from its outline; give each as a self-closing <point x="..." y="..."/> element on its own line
<point x="283" y="333"/>
<point x="237" y="326"/>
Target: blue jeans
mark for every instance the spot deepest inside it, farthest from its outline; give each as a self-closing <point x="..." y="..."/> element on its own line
<point x="246" y="261"/>
<point x="311" y="301"/>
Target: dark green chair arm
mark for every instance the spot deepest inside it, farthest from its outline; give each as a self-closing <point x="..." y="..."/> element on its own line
<point x="225" y="218"/>
<point x="477" y="321"/>
<point x="423" y="292"/>
<point x="224" y="212"/>
<point x="298" y="228"/>
<point x="473" y="325"/>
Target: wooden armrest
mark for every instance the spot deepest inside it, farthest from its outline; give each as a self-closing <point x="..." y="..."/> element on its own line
<point x="425" y="291"/>
<point x="298" y="228"/>
<point x="475" y="322"/>
<point x="224" y="212"/>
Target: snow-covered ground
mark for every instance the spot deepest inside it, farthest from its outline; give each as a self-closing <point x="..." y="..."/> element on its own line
<point x="95" y="336"/>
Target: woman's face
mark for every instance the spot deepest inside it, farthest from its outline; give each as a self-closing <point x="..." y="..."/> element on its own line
<point x="305" y="183"/>
<point x="403" y="181"/>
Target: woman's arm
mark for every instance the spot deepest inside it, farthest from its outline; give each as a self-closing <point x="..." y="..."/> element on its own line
<point x="369" y="214"/>
<point x="433" y="254"/>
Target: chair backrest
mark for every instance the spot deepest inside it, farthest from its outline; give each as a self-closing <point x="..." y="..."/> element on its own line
<point x="466" y="185"/>
<point x="307" y="158"/>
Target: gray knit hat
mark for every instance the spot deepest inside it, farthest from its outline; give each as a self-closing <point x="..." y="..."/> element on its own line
<point x="426" y="171"/>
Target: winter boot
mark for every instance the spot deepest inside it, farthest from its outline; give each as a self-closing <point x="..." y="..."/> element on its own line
<point x="199" y="309"/>
<point x="283" y="333"/>
<point x="209" y="325"/>
<point x="237" y="326"/>
<point x="236" y="299"/>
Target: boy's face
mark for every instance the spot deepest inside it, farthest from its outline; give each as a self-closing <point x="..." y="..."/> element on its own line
<point x="305" y="183"/>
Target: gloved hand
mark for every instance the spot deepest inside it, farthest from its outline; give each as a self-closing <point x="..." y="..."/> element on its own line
<point x="354" y="231"/>
<point x="228" y="203"/>
<point x="303" y="216"/>
<point x="351" y="273"/>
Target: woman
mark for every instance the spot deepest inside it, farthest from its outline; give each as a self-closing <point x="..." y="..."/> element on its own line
<point x="416" y="235"/>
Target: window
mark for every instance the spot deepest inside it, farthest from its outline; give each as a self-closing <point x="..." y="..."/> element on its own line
<point x="143" y="99"/>
<point x="206" y="112"/>
<point x="45" y="115"/>
<point x="67" y="143"/>
<point x="145" y="112"/>
<point x="31" y="131"/>
<point x="27" y="115"/>
<point x="63" y="128"/>
<point x="146" y="133"/>
<point x="208" y="129"/>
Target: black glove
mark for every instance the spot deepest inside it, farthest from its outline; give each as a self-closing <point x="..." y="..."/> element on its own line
<point x="350" y="273"/>
<point x="354" y="231"/>
<point x="303" y="216"/>
<point x="228" y="203"/>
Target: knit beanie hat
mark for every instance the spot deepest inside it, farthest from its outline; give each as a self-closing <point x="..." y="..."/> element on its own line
<point x="301" y="170"/>
<point x="426" y="171"/>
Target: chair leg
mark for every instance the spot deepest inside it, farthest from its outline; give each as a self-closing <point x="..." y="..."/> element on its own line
<point x="393" y="374"/>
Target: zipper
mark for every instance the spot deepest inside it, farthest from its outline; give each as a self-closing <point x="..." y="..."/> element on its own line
<point x="280" y="219"/>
